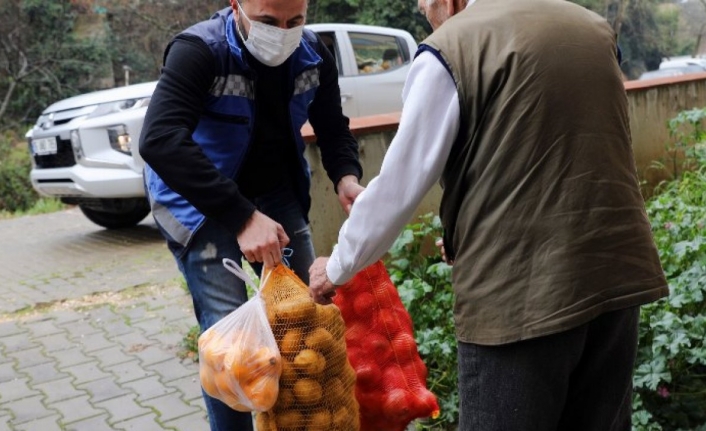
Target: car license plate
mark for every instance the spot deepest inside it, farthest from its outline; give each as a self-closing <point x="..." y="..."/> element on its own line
<point x="44" y="146"/>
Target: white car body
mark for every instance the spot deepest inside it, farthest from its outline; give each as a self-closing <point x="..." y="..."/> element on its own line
<point x="668" y="72"/>
<point x="683" y="61"/>
<point x="377" y="92"/>
<point x="84" y="148"/>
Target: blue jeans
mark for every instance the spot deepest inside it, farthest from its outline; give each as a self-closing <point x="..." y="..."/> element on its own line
<point x="216" y="292"/>
<point x="576" y="380"/>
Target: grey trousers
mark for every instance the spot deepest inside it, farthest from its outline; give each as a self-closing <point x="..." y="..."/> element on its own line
<point x="577" y="380"/>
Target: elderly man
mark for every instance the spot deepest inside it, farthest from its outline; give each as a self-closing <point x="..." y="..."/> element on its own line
<point x="518" y="107"/>
<point x="226" y="173"/>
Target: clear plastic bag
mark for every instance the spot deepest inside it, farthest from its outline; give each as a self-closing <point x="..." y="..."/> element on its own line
<point x="239" y="361"/>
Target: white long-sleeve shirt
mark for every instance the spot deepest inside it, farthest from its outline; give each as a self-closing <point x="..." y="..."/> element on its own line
<point x="413" y="163"/>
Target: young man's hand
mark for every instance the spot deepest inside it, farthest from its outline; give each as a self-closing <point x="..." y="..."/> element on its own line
<point x="320" y="287"/>
<point x="348" y="189"/>
<point x="262" y="240"/>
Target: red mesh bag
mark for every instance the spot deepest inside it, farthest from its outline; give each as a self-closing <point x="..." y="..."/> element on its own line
<point x="390" y="375"/>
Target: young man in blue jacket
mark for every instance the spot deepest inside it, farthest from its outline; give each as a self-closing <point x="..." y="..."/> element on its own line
<point x="225" y="169"/>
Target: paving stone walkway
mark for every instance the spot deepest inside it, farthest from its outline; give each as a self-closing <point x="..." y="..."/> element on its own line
<point x="91" y="326"/>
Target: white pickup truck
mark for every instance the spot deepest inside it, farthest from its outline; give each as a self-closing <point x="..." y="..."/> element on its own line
<point x="84" y="149"/>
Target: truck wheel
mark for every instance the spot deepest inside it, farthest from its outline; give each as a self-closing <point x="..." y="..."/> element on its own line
<point x="126" y="216"/>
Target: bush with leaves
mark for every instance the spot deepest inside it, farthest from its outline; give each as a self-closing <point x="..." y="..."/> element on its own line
<point x="16" y="192"/>
<point x="670" y="374"/>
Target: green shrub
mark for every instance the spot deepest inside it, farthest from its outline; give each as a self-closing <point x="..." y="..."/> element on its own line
<point x="670" y="374"/>
<point x="16" y="192"/>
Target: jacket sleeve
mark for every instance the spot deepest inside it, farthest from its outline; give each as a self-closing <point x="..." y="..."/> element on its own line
<point x="166" y="142"/>
<point x="339" y="149"/>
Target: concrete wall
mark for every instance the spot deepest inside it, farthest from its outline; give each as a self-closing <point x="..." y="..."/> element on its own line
<point x="651" y="104"/>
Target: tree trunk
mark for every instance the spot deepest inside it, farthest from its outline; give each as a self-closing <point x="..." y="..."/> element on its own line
<point x="623" y="6"/>
<point x="700" y="37"/>
<point x="13" y="81"/>
<point x="615" y="13"/>
<point x="7" y="98"/>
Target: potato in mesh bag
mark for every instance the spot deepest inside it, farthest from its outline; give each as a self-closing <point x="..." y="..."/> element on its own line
<point x="239" y="361"/>
<point x="317" y="381"/>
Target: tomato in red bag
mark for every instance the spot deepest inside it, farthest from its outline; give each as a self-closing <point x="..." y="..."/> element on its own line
<point x="390" y="375"/>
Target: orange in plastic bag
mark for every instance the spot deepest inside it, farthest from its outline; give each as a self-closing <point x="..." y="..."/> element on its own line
<point x="239" y="361"/>
<point x="391" y="377"/>
<point x="317" y="382"/>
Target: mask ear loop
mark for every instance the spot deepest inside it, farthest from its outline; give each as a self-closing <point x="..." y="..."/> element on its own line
<point x="237" y="23"/>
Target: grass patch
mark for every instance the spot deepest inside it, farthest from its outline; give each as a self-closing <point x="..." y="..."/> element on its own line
<point x="42" y="206"/>
<point x="87" y="302"/>
<point x="190" y="344"/>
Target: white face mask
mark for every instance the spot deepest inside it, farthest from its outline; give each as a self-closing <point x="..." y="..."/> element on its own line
<point x="270" y="45"/>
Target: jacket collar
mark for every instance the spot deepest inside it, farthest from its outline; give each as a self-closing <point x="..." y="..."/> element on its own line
<point x="233" y="42"/>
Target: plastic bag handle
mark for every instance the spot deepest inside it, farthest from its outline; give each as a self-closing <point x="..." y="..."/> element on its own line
<point x="239" y="272"/>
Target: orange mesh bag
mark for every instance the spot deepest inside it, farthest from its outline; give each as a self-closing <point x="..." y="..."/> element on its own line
<point x="239" y="361"/>
<point x="316" y="388"/>
<point x="391" y="377"/>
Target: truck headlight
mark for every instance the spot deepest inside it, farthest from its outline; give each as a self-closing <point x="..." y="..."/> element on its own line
<point x="76" y="145"/>
<point x="120" y="139"/>
<point x="119" y="106"/>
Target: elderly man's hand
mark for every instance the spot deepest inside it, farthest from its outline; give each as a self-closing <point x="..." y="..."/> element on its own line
<point x="320" y="287"/>
<point x="440" y="244"/>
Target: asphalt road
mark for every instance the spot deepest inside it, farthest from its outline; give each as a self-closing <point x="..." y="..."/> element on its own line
<point x="51" y="257"/>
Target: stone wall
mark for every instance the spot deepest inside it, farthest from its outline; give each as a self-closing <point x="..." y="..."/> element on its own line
<point x="652" y="104"/>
